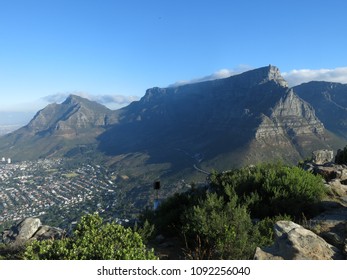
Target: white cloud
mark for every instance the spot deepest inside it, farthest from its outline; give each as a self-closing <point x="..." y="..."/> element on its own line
<point x="116" y="99"/>
<point x="296" y="77"/>
<point x="220" y="74"/>
<point x="56" y="98"/>
<point x="293" y="77"/>
<point x="109" y="100"/>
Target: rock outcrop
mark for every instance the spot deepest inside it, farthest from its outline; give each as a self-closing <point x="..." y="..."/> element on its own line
<point x="30" y="229"/>
<point x="328" y="170"/>
<point x="324" y="236"/>
<point x="294" y="242"/>
<point x="22" y="232"/>
<point x="291" y="125"/>
<point x="322" y="156"/>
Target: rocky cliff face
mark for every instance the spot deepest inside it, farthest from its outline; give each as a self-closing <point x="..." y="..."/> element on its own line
<point x="291" y="123"/>
<point x="249" y="117"/>
<point x="239" y="120"/>
<point x="330" y="103"/>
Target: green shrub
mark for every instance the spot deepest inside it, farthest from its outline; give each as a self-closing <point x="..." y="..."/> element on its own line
<point x="237" y="210"/>
<point x="92" y="240"/>
<point x="265" y="229"/>
<point x="168" y="217"/>
<point x="216" y="229"/>
<point x="273" y="189"/>
<point x="146" y="231"/>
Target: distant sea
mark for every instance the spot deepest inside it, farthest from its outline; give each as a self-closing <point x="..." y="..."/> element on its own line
<point x="5" y="129"/>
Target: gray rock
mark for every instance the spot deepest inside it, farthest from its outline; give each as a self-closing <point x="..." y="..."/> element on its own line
<point x="291" y="118"/>
<point x="322" y="156"/>
<point x="329" y="171"/>
<point x="47" y="232"/>
<point x="337" y="188"/>
<point x="332" y="226"/>
<point x="29" y="229"/>
<point x="333" y="239"/>
<point x="22" y="232"/>
<point x="294" y="242"/>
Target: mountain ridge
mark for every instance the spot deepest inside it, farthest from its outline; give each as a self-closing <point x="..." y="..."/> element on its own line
<point x="246" y="118"/>
<point x="330" y="102"/>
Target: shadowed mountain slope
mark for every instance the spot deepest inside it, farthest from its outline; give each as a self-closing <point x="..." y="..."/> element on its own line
<point x="220" y="124"/>
<point x="171" y="131"/>
<point x="330" y="103"/>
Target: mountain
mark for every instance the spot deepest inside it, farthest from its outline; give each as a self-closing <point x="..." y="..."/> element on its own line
<point x="58" y="129"/>
<point x="330" y="103"/>
<point x="219" y="124"/>
<point x="180" y="131"/>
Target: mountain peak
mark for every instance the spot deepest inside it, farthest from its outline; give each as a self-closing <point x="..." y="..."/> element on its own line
<point x="72" y="117"/>
<point x="81" y="102"/>
<point x="275" y="74"/>
<point x="74" y="99"/>
<point x="265" y="74"/>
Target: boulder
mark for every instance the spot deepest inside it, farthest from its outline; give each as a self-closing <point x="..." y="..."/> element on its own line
<point x="294" y="242"/>
<point x="337" y="188"/>
<point x="28" y="229"/>
<point x="47" y="232"/>
<point x="330" y="171"/>
<point x="332" y="226"/>
<point x="22" y="232"/>
<point x="322" y="156"/>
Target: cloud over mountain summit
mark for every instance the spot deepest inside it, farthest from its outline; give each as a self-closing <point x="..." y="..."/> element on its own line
<point x="109" y="100"/>
<point x="293" y="77"/>
<point x="296" y="77"/>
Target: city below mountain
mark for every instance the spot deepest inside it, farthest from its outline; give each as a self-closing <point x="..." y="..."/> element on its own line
<point x="181" y="132"/>
<point x="80" y="157"/>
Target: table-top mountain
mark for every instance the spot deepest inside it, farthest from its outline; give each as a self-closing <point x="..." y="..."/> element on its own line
<point x="243" y="119"/>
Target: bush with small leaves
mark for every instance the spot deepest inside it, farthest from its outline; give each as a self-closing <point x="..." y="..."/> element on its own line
<point x="92" y="240"/>
<point x="219" y="229"/>
<point x="273" y="189"/>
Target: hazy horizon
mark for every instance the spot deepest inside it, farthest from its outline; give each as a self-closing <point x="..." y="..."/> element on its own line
<point x="113" y="51"/>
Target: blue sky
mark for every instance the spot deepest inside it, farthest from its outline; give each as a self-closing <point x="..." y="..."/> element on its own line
<point x="112" y="51"/>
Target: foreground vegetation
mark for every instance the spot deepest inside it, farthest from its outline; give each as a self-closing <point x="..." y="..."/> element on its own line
<point x="236" y="211"/>
<point x="92" y="240"/>
<point x="227" y="219"/>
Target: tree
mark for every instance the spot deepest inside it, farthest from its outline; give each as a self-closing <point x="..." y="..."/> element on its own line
<point x="92" y="240"/>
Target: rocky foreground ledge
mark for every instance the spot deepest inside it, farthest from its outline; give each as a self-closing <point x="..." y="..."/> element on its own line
<point x="294" y="242"/>
<point x="323" y="237"/>
<point x="30" y="229"/>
